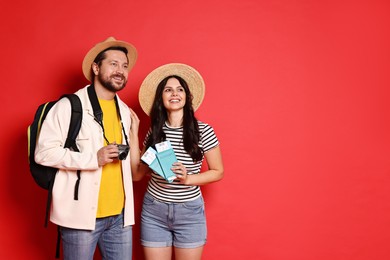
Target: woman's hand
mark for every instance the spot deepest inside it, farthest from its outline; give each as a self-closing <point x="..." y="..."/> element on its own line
<point x="135" y="154"/>
<point x="134" y="123"/>
<point x="181" y="172"/>
<point x="212" y="174"/>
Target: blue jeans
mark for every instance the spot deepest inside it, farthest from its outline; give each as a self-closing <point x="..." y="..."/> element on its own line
<point x="114" y="240"/>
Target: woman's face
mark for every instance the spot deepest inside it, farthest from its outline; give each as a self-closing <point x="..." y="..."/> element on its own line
<point x="174" y="95"/>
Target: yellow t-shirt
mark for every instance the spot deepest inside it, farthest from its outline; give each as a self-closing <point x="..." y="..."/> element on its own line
<point x="111" y="194"/>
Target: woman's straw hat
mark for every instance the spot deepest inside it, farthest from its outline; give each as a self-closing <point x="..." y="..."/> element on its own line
<point x="101" y="46"/>
<point x="194" y="81"/>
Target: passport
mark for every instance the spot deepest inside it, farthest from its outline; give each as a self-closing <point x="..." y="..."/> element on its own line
<point x="150" y="158"/>
<point x="161" y="161"/>
<point x="166" y="157"/>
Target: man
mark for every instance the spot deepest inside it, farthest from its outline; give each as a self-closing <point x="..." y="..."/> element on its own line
<point x="103" y="213"/>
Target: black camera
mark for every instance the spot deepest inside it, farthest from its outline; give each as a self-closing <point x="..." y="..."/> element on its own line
<point x="123" y="151"/>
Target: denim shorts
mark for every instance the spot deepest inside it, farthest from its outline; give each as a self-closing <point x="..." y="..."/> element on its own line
<point x="165" y="224"/>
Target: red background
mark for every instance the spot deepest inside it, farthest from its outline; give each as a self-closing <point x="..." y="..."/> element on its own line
<point x="297" y="92"/>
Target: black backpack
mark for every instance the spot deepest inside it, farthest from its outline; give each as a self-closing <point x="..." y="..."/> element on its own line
<point x="44" y="176"/>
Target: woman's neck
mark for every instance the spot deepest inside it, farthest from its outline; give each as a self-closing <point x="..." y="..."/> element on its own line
<point x="175" y="119"/>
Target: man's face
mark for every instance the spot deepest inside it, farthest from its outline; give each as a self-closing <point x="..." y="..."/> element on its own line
<point x="113" y="71"/>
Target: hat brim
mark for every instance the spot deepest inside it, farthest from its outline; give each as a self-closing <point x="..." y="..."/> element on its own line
<point x="110" y="42"/>
<point x="192" y="77"/>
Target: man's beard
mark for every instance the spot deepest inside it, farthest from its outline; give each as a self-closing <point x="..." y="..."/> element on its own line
<point x="110" y="85"/>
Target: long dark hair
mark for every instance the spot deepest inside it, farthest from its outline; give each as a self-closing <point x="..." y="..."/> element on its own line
<point x="159" y="116"/>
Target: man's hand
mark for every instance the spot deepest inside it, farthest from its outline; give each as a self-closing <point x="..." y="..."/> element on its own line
<point x="107" y="154"/>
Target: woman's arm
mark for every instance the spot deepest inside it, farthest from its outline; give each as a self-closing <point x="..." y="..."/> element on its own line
<point x="138" y="169"/>
<point x="213" y="174"/>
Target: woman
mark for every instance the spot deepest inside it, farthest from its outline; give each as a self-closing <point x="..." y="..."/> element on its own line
<point x="173" y="218"/>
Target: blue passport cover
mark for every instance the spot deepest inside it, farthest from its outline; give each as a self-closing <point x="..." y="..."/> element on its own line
<point x="150" y="158"/>
<point x="161" y="161"/>
<point x="166" y="157"/>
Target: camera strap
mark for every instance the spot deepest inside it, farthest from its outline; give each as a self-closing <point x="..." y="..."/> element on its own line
<point x="98" y="113"/>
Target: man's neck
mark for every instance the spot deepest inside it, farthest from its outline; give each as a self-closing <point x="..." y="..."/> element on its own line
<point x="102" y="92"/>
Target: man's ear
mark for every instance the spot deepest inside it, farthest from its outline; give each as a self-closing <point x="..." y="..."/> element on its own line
<point x="95" y="69"/>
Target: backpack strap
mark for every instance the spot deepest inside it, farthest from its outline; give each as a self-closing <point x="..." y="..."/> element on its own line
<point x="48" y="202"/>
<point x="75" y="121"/>
<point x="74" y="128"/>
<point x="58" y="245"/>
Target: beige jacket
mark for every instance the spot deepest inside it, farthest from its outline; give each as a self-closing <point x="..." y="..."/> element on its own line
<point x="81" y="213"/>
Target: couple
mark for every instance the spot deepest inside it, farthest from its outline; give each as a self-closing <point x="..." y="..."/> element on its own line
<point x="172" y="219"/>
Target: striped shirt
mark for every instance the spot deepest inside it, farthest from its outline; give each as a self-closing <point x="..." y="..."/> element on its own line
<point x="176" y="192"/>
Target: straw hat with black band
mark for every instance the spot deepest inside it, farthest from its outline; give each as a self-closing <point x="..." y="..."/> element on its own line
<point x="193" y="78"/>
<point x="101" y="46"/>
